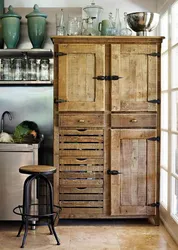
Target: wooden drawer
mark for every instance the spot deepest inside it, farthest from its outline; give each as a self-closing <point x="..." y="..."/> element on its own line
<point x="81" y="143"/>
<point x="81" y="120"/>
<point x="134" y="120"/>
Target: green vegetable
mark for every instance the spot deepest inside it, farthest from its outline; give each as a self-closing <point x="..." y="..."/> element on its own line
<point x="23" y="131"/>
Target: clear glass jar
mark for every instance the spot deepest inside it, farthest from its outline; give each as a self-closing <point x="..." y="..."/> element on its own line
<point x="44" y="70"/>
<point x="17" y="69"/>
<point x="32" y="69"/>
<point x="7" y="70"/>
<point x="25" y="69"/>
<point x="74" y="26"/>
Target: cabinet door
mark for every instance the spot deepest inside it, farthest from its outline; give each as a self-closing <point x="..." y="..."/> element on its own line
<point x="76" y="70"/>
<point x="135" y="157"/>
<point x="139" y="82"/>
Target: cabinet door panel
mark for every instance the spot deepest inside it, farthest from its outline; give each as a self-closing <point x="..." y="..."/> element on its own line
<point x="138" y="84"/>
<point x="134" y="156"/>
<point x="75" y="79"/>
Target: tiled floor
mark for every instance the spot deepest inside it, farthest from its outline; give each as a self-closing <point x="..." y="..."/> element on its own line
<point x="92" y="235"/>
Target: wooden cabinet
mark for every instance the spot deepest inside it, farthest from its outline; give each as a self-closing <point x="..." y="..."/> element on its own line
<point x="106" y="126"/>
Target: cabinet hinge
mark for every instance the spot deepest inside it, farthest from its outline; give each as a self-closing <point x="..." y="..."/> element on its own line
<point x="60" y="54"/>
<point x="154" y="138"/>
<point x="154" y="54"/>
<point x="156" y="204"/>
<point x="59" y="100"/>
<point x="158" y="101"/>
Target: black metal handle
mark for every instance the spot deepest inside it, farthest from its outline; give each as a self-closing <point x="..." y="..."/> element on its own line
<point x="59" y="100"/>
<point x="101" y="78"/>
<point x="156" y="204"/>
<point x="107" y="78"/>
<point x="113" y="172"/>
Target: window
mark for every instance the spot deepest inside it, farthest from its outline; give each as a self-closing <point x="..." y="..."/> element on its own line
<point x="169" y="112"/>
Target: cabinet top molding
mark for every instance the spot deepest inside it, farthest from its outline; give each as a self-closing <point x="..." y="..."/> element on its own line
<point x="107" y="39"/>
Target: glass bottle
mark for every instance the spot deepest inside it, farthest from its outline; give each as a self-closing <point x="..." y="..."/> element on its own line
<point x="25" y="69"/>
<point x="17" y="69"/>
<point x="32" y="69"/>
<point x="7" y="70"/>
<point x="125" y="31"/>
<point x="117" y="22"/>
<point x="60" y="26"/>
<point x="44" y="70"/>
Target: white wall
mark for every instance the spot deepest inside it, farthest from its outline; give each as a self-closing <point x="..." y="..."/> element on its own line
<point x="108" y="5"/>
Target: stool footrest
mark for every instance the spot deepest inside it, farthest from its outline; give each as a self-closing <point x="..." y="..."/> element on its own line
<point x="19" y="211"/>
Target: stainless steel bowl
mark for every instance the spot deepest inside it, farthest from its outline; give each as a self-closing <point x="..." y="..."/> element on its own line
<point x="141" y="22"/>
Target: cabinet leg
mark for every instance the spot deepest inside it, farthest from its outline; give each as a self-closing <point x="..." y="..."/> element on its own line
<point x="154" y="220"/>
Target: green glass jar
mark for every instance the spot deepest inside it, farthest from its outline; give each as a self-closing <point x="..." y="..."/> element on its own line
<point x="36" y="22"/>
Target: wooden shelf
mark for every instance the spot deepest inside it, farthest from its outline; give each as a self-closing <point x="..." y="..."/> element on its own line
<point x="31" y="53"/>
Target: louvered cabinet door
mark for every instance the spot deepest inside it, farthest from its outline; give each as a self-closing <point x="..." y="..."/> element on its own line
<point x="134" y="156"/>
<point x="77" y="68"/>
<point x="137" y="89"/>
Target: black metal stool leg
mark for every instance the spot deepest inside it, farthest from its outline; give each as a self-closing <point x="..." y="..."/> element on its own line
<point x="54" y="232"/>
<point x="26" y="204"/>
<point x="49" y="226"/>
<point x="20" y="229"/>
<point x="25" y="234"/>
<point x="51" y="209"/>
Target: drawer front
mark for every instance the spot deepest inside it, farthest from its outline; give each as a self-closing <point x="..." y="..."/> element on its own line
<point x="81" y="143"/>
<point x="134" y="120"/>
<point x="81" y="120"/>
<point x="81" y="184"/>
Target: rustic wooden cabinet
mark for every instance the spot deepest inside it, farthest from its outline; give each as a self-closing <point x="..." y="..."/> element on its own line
<point x="107" y="126"/>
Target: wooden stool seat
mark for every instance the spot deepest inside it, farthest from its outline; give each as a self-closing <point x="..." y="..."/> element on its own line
<point x="37" y="169"/>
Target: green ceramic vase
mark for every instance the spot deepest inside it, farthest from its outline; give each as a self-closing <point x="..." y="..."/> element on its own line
<point x="1" y="12"/>
<point x="36" y="22"/>
<point x="11" y="28"/>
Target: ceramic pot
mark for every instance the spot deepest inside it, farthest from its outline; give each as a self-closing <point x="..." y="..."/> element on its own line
<point x="11" y="28"/>
<point x="36" y="22"/>
<point x="1" y="12"/>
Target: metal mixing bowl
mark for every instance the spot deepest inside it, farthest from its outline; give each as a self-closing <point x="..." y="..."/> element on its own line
<point x="141" y="22"/>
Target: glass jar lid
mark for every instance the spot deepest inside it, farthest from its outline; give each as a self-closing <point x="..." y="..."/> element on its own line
<point x="93" y="10"/>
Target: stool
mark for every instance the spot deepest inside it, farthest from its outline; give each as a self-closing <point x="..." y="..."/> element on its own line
<point x="36" y="172"/>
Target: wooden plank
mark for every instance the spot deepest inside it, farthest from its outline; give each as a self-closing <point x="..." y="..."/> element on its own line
<point x="80" y="146"/>
<point x="81" y="153"/>
<point x="81" y="139"/>
<point x="81" y="211"/>
<point x="115" y="179"/>
<point x="77" y="190"/>
<point x="81" y="204"/>
<point x="81" y="183"/>
<point x="79" y="131"/>
<point x="133" y="210"/>
<point x="81" y="168"/>
<point x="151" y="176"/>
<point x="76" y="161"/>
<point x="81" y="197"/>
<point x="152" y="76"/>
<point x="68" y="175"/>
